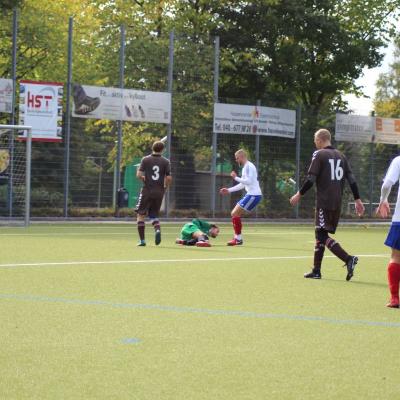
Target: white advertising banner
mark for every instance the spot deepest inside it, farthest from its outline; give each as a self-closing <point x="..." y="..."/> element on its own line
<point x="387" y="130"/>
<point x="40" y="106"/>
<point x="6" y="92"/>
<point x="121" y="104"/>
<point x="354" y="128"/>
<point x="254" y="120"/>
<point x="358" y="128"/>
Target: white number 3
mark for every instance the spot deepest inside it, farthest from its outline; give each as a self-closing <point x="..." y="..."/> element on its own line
<point x="156" y="173"/>
<point x="336" y="171"/>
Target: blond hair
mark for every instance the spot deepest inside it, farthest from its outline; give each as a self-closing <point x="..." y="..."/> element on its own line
<point x="324" y="135"/>
<point x="241" y="152"/>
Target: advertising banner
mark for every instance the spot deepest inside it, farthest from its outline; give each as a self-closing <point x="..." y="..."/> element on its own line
<point x="254" y="120"/>
<point x="6" y="92"/>
<point x="387" y="130"/>
<point x="121" y="104"/>
<point x="40" y="106"/>
<point x="358" y="128"/>
<point x="354" y="128"/>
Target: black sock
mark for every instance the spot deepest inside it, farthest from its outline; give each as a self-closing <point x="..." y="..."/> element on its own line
<point x="337" y="250"/>
<point x="140" y="227"/>
<point x="319" y="251"/>
<point x="156" y="225"/>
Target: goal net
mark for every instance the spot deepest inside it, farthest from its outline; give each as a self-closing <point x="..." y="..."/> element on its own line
<point x="15" y="174"/>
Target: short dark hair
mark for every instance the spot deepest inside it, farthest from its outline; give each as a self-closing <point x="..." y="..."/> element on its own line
<point x="158" y="147"/>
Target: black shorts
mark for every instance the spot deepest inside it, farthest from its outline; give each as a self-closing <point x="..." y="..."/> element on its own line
<point x="149" y="202"/>
<point x="327" y="219"/>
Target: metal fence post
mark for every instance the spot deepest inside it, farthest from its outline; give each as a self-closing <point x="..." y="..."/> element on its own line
<point x="67" y="125"/>
<point x="169" y="128"/>
<point x="298" y="153"/>
<point x="371" y="170"/>
<point x="214" y="134"/>
<point x="28" y="177"/>
<point x="257" y="150"/>
<point x="119" y="123"/>
<point x="13" y="104"/>
<point x="371" y="177"/>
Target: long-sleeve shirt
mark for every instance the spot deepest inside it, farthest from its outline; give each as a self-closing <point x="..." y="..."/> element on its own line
<point x="392" y="177"/>
<point x="248" y="180"/>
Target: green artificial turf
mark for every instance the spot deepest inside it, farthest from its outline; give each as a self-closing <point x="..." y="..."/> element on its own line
<point x="227" y="323"/>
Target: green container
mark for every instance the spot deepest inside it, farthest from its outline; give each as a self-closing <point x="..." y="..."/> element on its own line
<point x="131" y="183"/>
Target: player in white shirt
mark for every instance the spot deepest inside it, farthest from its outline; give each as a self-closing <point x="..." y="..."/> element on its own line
<point x="249" y="182"/>
<point x="393" y="238"/>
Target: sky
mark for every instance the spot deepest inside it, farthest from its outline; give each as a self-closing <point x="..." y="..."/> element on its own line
<point x="364" y="105"/>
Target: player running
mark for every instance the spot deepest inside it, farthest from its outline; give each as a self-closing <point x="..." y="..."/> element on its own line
<point x="329" y="169"/>
<point x="196" y="233"/>
<point x="249" y="182"/>
<point x="155" y="172"/>
<point x="393" y="238"/>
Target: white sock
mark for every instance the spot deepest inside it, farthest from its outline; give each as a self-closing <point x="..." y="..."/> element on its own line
<point x="238" y="237"/>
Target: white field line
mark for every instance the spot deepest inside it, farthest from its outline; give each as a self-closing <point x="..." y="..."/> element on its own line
<point x="177" y="260"/>
<point x="134" y="233"/>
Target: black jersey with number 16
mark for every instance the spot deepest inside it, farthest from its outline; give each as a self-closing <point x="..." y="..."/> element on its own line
<point x="331" y="169"/>
<point x="155" y="168"/>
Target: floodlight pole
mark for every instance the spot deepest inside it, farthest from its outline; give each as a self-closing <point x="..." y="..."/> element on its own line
<point x="169" y="127"/>
<point x="67" y="133"/>
<point x="28" y="177"/>
<point x="257" y="150"/>
<point x="214" y="135"/>
<point x="298" y="148"/>
<point x="13" y="104"/>
<point x="119" y="123"/>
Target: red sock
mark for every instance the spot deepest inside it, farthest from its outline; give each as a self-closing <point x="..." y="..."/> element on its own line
<point x="394" y="279"/>
<point x="237" y="225"/>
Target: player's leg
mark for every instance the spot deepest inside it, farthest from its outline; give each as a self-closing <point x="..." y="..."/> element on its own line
<point x="141" y="210"/>
<point x="321" y="235"/>
<point x="329" y="220"/>
<point x="141" y="225"/>
<point x="247" y="204"/>
<point x="201" y="239"/>
<point x="236" y="215"/>
<point x="393" y="272"/>
<point x="393" y="269"/>
<point x="154" y="212"/>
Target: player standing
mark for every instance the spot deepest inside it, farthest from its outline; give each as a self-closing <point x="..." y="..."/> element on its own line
<point x="249" y="182"/>
<point x="393" y="238"/>
<point x="329" y="169"/>
<point x="155" y="172"/>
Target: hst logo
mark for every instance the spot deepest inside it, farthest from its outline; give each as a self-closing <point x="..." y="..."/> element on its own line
<point x="39" y="100"/>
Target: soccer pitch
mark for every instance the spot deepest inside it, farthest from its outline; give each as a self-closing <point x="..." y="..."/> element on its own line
<point x="87" y="315"/>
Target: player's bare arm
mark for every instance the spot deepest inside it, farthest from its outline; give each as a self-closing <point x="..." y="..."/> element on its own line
<point x="167" y="181"/>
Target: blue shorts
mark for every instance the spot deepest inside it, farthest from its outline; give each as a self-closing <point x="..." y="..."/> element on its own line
<point x="249" y="202"/>
<point x="393" y="238"/>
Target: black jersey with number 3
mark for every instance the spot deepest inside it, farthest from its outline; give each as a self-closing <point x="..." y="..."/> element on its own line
<point x="331" y="169"/>
<point x="155" y="168"/>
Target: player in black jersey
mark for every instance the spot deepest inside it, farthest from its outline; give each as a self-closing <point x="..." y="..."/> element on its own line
<point x="329" y="169"/>
<point x="155" y="172"/>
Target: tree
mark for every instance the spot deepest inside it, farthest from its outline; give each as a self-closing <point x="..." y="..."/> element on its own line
<point x="387" y="101"/>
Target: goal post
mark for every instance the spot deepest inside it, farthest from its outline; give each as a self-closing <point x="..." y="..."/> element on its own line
<point x="15" y="174"/>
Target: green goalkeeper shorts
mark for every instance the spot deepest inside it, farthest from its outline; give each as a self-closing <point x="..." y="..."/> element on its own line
<point x="188" y="230"/>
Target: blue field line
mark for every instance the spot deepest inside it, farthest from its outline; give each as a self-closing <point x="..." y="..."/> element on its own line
<point x="195" y="310"/>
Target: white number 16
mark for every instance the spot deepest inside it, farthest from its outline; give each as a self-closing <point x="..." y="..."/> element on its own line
<point x="336" y="171"/>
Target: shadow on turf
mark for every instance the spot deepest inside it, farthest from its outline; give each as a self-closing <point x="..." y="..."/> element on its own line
<point x="355" y="282"/>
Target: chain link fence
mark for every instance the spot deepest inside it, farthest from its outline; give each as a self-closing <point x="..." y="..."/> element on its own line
<point x="93" y="143"/>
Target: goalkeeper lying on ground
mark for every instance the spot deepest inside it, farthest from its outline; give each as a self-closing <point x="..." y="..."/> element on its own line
<point x="196" y="233"/>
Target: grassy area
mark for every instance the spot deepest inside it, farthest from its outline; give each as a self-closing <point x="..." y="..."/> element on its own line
<point x="87" y="315"/>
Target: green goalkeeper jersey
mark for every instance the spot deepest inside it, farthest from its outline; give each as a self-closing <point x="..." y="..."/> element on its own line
<point x="194" y="226"/>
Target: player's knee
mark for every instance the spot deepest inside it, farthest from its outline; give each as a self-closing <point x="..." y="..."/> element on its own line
<point x="321" y="235"/>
